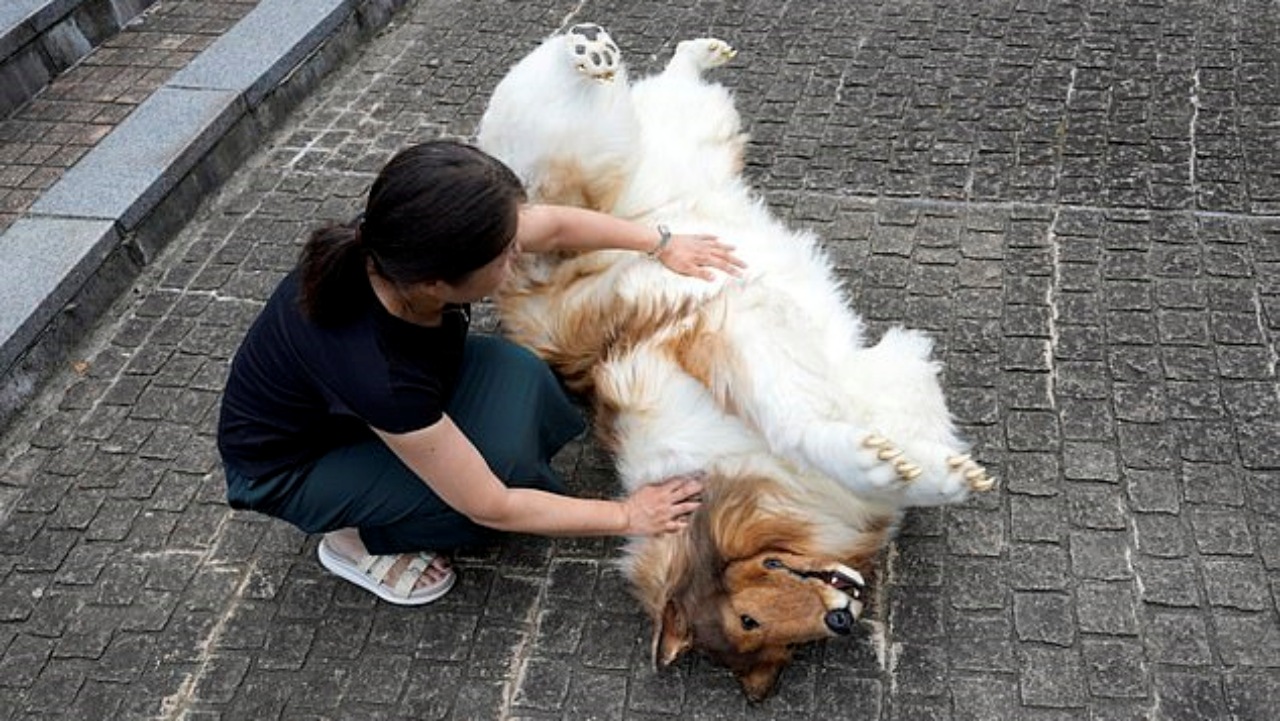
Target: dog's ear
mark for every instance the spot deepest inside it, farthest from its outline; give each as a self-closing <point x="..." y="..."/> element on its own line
<point x="672" y="636"/>
<point x="758" y="681"/>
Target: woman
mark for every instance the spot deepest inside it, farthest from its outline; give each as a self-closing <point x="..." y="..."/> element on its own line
<point x="359" y="407"/>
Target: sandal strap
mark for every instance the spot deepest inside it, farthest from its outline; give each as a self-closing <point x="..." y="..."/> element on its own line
<point x="377" y="567"/>
<point x="409" y="576"/>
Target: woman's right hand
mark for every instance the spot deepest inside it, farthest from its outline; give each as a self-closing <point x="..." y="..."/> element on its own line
<point x="662" y="507"/>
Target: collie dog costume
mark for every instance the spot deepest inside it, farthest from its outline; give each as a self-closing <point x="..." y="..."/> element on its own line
<point x="813" y="441"/>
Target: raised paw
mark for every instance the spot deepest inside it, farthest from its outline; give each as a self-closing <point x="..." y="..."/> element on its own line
<point x="593" y="52"/>
<point x="905" y="470"/>
<point x="926" y="473"/>
<point x="975" y="476"/>
<point x="706" y="53"/>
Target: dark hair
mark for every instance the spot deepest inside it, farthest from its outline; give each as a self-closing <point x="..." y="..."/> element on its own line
<point x="437" y="211"/>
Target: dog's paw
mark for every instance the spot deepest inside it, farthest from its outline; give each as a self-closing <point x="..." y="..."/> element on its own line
<point x="592" y="52"/>
<point x="905" y="470"/>
<point x="876" y="468"/>
<point x="706" y="53"/>
<point x="926" y="474"/>
<point x="967" y="471"/>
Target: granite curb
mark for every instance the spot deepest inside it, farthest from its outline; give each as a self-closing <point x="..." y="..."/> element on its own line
<point x="90" y="233"/>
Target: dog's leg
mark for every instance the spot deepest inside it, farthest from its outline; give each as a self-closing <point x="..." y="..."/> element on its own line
<point x="786" y="393"/>
<point x="693" y="57"/>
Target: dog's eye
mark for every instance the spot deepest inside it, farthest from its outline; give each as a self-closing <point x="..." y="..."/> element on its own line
<point x="772" y="563"/>
<point x="748" y="623"/>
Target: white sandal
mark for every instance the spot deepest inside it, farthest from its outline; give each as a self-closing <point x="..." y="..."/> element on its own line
<point x="370" y="572"/>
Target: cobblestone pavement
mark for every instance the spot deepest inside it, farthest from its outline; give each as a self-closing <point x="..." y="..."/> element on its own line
<point x="1081" y="200"/>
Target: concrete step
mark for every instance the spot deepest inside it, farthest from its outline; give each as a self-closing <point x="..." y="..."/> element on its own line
<point x="41" y="38"/>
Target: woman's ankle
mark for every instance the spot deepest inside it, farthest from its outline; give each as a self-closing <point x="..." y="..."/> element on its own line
<point x="346" y="543"/>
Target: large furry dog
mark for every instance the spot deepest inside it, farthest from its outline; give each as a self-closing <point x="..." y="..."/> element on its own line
<point x="813" y="440"/>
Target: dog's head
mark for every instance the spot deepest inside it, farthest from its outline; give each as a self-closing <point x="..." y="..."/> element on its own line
<point x="749" y="583"/>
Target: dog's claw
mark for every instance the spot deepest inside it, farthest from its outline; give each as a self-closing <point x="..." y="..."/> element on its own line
<point x="958" y="461"/>
<point x="889" y="454"/>
<point x="985" y="483"/>
<point x="707" y="53"/>
<point x="875" y="442"/>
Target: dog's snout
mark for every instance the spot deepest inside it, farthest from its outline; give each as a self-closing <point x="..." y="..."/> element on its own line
<point x="840" y="621"/>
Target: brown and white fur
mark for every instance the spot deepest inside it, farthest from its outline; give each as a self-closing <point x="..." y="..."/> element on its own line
<point x="814" y="440"/>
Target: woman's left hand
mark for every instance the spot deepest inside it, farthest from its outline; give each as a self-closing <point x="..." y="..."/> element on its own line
<point x="696" y="255"/>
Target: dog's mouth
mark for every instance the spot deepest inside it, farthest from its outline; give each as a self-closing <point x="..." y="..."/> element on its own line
<point x="840" y="577"/>
<point x="849" y="584"/>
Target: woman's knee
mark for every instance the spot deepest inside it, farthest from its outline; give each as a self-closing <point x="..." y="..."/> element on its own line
<point x="488" y="351"/>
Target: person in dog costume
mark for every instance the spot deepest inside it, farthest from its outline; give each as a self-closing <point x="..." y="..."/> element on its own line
<point x="358" y="405"/>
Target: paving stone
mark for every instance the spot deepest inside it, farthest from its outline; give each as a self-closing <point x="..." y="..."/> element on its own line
<point x="1248" y="639"/>
<point x="24" y="658"/>
<point x="1044" y="617"/>
<point x="1180" y="639"/>
<point x="1220" y="531"/>
<point x="1252" y="695"/>
<point x="1182" y="696"/>
<point x="976" y="532"/>
<point x="984" y="698"/>
<point x="1037" y="519"/>
<point x="1090" y="462"/>
<point x="1107" y="607"/>
<point x="921" y="668"/>
<point x="1161" y="535"/>
<point x="1115" y="669"/>
<point x="1051" y="677"/>
<point x="1032" y="473"/>
<point x="1096" y="507"/>
<point x="1239" y="584"/>
<point x="1101" y="555"/>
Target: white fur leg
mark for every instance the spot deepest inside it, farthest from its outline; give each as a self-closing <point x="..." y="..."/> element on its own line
<point x="839" y="451"/>
<point x="876" y="467"/>
<point x="702" y="54"/>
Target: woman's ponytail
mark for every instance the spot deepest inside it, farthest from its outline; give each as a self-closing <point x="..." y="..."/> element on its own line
<point x="331" y="273"/>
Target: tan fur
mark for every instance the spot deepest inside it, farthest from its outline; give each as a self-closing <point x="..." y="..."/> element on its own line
<point x="567" y="183"/>
<point x="575" y="337"/>
<point x="697" y="585"/>
<point x="702" y="353"/>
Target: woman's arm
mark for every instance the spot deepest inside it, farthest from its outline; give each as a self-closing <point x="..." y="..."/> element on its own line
<point x="447" y="462"/>
<point x="545" y="228"/>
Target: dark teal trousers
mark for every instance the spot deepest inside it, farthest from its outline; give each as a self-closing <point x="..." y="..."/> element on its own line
<point x="508" y="403"/>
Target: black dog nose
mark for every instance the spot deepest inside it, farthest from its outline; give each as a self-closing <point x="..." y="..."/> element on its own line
<point x="839" y="621"/>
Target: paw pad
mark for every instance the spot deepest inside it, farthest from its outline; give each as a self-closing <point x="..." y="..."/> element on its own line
<point x="593" y="52"/>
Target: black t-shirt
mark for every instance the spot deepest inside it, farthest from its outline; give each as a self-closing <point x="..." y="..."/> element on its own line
<point x="297" y="389"/>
